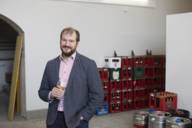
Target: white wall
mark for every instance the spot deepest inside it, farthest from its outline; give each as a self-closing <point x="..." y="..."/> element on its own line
<point x="103" y="28"/>
<point x="179" y="60"/>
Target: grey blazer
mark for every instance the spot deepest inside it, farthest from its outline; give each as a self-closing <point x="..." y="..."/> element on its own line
<point x="83" y="93"/>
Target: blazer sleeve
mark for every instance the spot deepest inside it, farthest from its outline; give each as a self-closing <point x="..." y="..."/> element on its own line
<point x="44" y="87"/>
<point x="96" y="95"/>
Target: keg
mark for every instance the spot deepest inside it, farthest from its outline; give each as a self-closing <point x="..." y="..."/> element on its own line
<point x="157" y="119"/>
<point x="178" y="122"/>
<point x="140" y="119"/>
<point x="183" y="113"/>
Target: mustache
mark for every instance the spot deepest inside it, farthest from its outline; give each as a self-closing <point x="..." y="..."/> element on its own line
<point x="66" y="47"/>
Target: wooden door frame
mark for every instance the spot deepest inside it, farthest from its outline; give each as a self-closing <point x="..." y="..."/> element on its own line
<point x="22" y="69"/>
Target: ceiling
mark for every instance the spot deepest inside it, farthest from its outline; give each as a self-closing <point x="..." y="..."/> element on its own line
<point x="7" y="36"/>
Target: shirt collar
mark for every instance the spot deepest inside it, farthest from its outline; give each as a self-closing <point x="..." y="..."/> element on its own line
<point x="71" y="57"/>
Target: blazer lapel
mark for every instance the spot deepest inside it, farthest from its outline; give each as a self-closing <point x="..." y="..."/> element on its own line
<point x="57" y="65"/>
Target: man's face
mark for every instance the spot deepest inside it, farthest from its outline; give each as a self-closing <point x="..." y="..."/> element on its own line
<point x="68" y="43"/>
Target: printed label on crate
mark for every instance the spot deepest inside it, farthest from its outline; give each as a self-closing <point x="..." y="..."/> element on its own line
<point x="113" y="62"/>
<point x="116" y="75"/>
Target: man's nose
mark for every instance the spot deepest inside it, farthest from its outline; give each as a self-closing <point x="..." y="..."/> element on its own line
<point x="67" y="42"/>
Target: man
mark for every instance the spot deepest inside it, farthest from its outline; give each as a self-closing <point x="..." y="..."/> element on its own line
<point x="72" y="102"/>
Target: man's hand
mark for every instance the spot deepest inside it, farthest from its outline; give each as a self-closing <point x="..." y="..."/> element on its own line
<point x="57" y="92"/>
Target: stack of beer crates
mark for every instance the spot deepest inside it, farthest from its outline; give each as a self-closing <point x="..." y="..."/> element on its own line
<point x="155" y="73"/>
<point x="117" y="79"/>
<point x="104" y="75"/>
<point x="139" y="87"/>
<point x="127" y="83"/>
<point x="129" y="80"/>
<point x="159" y="72"/>
<point x="114" y="66"/>
<point x="149" y="76"/>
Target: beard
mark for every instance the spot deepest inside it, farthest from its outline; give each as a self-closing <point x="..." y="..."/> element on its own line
<point x="66" y="52"/>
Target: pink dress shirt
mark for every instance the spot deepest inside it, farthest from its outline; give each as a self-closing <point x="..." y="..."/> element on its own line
<point x="64" y="73"/>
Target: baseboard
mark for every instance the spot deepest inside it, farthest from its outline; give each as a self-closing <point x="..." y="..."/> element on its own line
<point x="36" y="114"/>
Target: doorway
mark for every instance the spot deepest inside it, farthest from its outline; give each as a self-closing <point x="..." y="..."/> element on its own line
<point x="12" y="94"/>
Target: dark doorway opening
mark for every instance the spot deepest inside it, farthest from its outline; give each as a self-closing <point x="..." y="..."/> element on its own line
<point x="9" y="33"/>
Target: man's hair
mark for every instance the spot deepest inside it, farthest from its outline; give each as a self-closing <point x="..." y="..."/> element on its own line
<point x="70" y="30"/>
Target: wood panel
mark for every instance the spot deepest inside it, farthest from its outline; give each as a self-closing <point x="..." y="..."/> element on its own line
<point x="15" y="77"/>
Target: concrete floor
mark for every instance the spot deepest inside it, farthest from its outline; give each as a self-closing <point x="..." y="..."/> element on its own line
<point x="115" y="120"/>
<point x="3" y="105"/>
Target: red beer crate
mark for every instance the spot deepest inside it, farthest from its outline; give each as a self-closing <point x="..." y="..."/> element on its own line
<point x="127" y="89"/>
<point x="149" y="83"/>
<point x="104" y="74"/>
<point x="115" y="106"/>
<point x="115" y="96"/>
<point x="114" y="91"/>
<point x="149" y="61"/>
<point x="126" y="62"/>
<point x="105" y="86"/>
<point x="126" y="73"/>
<point x="138" y="61"/>
<point x="141" y="103"/>
<point x="124" y="85"/>
<point x="164" y="101"/>
<point x="163" y="71"/>
<point x="106" y="97"/>
<point x="130" y="84"/>
<point x="139" y="84"/>
<point x="127" y="94"/>
<point x="129" y="62"/>
<point x="126" y="104"/>
<point x="162" y="80"/>
<point x="159" y="83"/>
<point x="152" y="100"/>
<point x="159" y="60"/>
<point x="139" y="93"/>
<point x="149" y="72"/>
<point x="159" y="71"/>
<point x="130" y="73"/>
<point x="114" y="86"/>
<point x="127" y="84"/>
<point x="106" y="90"/>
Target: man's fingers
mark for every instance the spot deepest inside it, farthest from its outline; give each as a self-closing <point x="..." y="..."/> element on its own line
<point x="60" y="87"/>
<point x="56" y="92"/>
